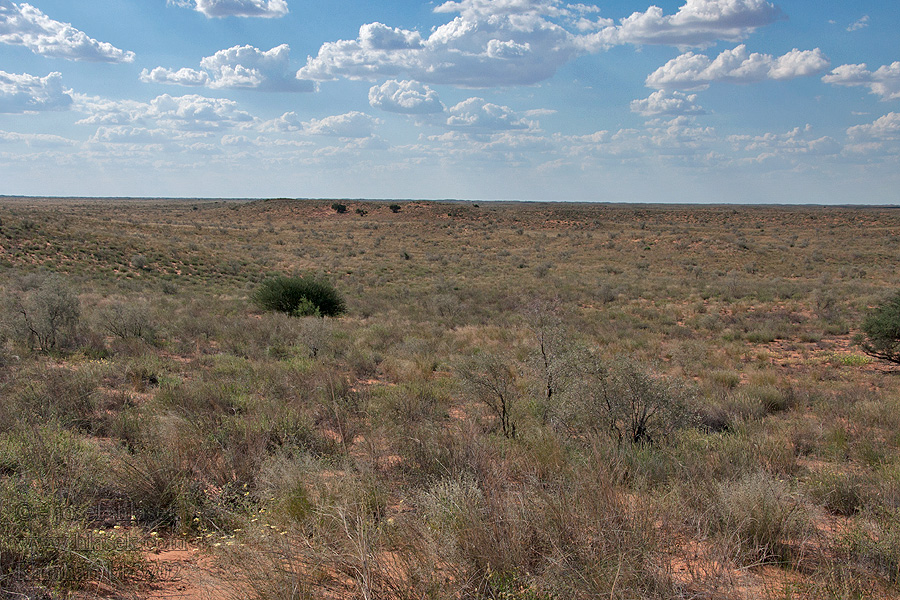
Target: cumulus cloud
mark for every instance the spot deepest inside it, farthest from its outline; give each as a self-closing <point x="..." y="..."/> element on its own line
<point x="239" y="67"/>
<point x="663" y="103"/>
<point x="522" y="42"/>
<point x="883" y="128"/>
<point x="862" y="23"/>
<point x="122" y="134"/>
<point x="691" y="71"/>
<point x="799" y="140"/>
<point x="488" y="8"/>
<point x="406" y="97"/>
<point x="353" y="124"/>
<point x="697" y="23"/>
<point x="472" y="50"/>
<point x="23" y="93"/>
<point x="268" y="9"/>
<point x="36" y="140"/>
<point x="185" y="76"/>
<point x="478" y="116"/>
<point x="180" y="113"/>
<point x="25" y="25"/>
<point x="884" y="81"/>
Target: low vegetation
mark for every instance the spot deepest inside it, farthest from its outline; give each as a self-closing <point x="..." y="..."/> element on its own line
<point x="299" y="297"/>
<point x="882" y="331"/>
<point x="517" y="401"/>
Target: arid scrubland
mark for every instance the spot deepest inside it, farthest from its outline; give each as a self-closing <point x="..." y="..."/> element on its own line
<point x="522" y="401"/>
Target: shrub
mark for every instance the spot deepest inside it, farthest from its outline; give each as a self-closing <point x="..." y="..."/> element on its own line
<point x="881" y="329"/>
<point x="339" y="208"/>
<point x="641" y="407"/>
<point x="139" y="261"/>
<point x="299" y="297"/>
<point x="49" y="314"/>
<point x="492" y="381"/>
<point x="395" y="208"/>
<point x="128" y="320"/>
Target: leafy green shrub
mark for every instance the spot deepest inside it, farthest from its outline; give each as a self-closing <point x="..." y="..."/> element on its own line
<point x="339" y="208"/>
<point x="881" y="329"/>
<point x="299" y="297"/>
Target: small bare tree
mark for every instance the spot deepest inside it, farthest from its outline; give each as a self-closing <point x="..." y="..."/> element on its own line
<point x="641" y="407"/>
<point x="493" y="382"/>
<point x="544" y="321"/>
<point x="49" y="314"/>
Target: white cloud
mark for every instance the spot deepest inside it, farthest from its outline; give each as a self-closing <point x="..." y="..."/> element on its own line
<point x="470" y="51"/>
<point x="181" y="113"/>
<point x="268" y="9"/>
<point x="522" y="42"/>
<point x="883" y="128"/>
<point x="406" y="97"/>
<point x="122" y="134"/>
<point x="36" y="140"/>
<point x="667" y="103"/>
<point x="378" y="36"/>
<point x="239" y="67"/>
<point x="488" y="8"/>
<point x="197" y="112"/>
<point x="862" y="23"/>
<point x="185" y="76"/>
<point x="697" y="23"/>
<point x="22" y="93"/>
<point x="884" y="82"/>
<point x="477" y="116"/>
<point x="286" y="123"/>
<point x="691" y="71"/>
<point x="353" y="124"/>
<point x="25" y="25"/>
<point x="796" y="141"/>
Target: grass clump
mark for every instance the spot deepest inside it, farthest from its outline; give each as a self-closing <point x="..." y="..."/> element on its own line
<point x="300" y="297"/>
<point x="46" y="546"/>
<point x="764" y="521"/>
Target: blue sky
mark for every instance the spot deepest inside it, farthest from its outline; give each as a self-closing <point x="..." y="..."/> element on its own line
<point x="796" y="101"/>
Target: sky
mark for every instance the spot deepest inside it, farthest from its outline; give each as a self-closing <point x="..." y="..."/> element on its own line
<point x="688" y="101"/>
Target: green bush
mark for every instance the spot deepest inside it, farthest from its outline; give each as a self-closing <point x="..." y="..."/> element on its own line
<point x="881" y="329"/>
<point x="299" y="297"/>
